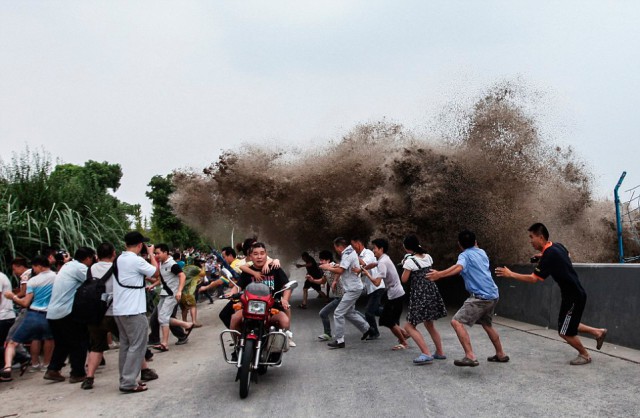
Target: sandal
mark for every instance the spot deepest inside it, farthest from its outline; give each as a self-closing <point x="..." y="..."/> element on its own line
<point x="399" y="347"/>
<point x="466" y="362"/>
<point x="137" y="389"/>
<point x="5" y="375"/>
<point x="580" y="361"/>
<point x="600" y="339"/>
<point x="188" y="330"/>
<point x="423" y="359"/>
<point x="24" y="366"/>
<point x="496" y="359"/>
<point x="160" y="347"/>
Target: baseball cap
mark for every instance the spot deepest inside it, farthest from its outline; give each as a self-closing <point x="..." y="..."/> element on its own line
<point x="135" y="237"/>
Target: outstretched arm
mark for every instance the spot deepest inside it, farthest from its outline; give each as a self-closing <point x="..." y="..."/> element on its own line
<point x="434" y="275"/>
<point x="505" y="272"/>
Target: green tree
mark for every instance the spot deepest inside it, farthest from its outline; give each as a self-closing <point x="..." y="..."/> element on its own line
<point x="61" y="205"/>
<point x="165" y="225"/>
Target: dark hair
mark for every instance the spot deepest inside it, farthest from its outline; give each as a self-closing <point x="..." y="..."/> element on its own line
<point x="258" y="245"/>
<point x="19" y="261"/>
<point x="229" y="251"/>
<point x="177" y="256"/>
<point x="41" y="260"/>
<point x="359" y="239"/>
<point x="49" y="251"/>
<point x="467" y="239"/>
<point x="105" y="250"/>
<point x="162" y="247"/>
<point x="307" y="257"/>
<point x="83" y="253"/>
<point x="325" y="255"/>
<point x="381" y="243"/>
<point x="539" y="230"/>
<point x="246" y="245"/>
<point x="340" y="242"/>
<point x="411" y="243"/>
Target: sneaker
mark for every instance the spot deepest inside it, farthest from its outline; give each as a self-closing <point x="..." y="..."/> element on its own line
<point x="148" y="374"/>
<point x="54" y="375"/>
<point x="368" y="333"/>
<point x="77" y="379"/>
<point x="34" y="368"/>
<point x="87" y="383"/>
<point x="422" y="359"/>
<point x="336" y="344"/>
<point x="373" y="337"/>
<point x="324" y="337"/>
<point x="290" y="338"/>
<point x="182" y="341"/>
<point x="148" y="355"/>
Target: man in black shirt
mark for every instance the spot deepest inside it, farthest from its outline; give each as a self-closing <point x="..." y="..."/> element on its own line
<point x="554" y="261"/>
<point x="275" y="279"/>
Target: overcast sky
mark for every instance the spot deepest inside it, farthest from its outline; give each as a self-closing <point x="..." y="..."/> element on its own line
<point x="160" y="85"/>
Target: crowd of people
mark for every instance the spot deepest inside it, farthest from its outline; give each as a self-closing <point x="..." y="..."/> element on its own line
<point x="41" y="329"/>
<point x="370" y="272"/>
<point x="146" y="285"/>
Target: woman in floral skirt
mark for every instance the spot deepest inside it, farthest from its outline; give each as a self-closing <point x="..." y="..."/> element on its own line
<point x="425" y="303"/>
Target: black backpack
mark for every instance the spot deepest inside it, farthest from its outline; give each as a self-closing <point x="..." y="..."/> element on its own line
<point x="91" y="300"/>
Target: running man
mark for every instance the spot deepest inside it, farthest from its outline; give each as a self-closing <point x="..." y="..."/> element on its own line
<point x="554" y="261"/>
<point x="473" y="265"/>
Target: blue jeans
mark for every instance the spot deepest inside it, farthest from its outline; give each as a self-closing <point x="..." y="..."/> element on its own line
<point x="372" y="308"/>
<point x="326" y="311"/>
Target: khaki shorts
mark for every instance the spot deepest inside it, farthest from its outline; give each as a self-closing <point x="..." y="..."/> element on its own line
<point x="476" y="311"/>
<point x="165" y="309"/>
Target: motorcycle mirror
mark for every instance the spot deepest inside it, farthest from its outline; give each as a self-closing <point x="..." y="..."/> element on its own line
<point x="291" y="285"/>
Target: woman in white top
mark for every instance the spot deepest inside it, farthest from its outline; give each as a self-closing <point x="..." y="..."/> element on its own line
<point x="425" y="303"/>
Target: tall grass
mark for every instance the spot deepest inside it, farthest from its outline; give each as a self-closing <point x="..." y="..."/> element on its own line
<point x="26" y="232"/>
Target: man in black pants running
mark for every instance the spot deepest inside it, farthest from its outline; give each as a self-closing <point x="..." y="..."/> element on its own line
<point x="554" y="261"/>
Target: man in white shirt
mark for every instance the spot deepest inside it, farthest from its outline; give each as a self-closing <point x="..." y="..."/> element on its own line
<point x="172" y="279"/>
<point x="352" y="286"/>
<point x="70" y="336"/>
<point x="367" y="260"/>
<point x="130" y="307"/>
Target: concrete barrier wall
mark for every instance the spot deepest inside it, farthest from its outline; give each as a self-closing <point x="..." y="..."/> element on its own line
<point x="613" y="300"/>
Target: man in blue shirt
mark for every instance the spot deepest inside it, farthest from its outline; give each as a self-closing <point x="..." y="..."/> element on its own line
<point x="473" y="265"/>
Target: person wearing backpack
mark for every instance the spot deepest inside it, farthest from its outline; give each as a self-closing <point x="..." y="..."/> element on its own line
<point x="104" y="271"/>
<point x="70" y="336"/>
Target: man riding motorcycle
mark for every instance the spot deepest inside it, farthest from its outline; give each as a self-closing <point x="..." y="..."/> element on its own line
<point x="275" y="279"/>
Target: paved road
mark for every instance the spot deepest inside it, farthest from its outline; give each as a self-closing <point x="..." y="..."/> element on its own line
<point x="365" y="379"/>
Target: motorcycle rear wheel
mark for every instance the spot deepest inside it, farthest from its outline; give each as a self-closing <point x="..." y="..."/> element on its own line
<point x="245" y="367"/>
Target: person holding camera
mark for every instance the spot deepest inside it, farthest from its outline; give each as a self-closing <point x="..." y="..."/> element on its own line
<point x="70" y="336"/>
<point x="130" y="308"/>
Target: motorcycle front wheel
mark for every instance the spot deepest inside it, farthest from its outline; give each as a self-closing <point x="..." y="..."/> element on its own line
<point x="245" y="367"/>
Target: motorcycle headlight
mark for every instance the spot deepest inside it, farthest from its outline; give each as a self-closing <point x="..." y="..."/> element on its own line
<point x="257" y="307"/>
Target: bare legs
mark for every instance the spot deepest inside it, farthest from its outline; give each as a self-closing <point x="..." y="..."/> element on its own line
<point x="465" y="341"/>
<point x="575" y="342"/>
<point x="417" y="337"/>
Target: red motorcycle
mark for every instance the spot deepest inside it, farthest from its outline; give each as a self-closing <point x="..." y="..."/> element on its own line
<point x="258" y="345"/>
